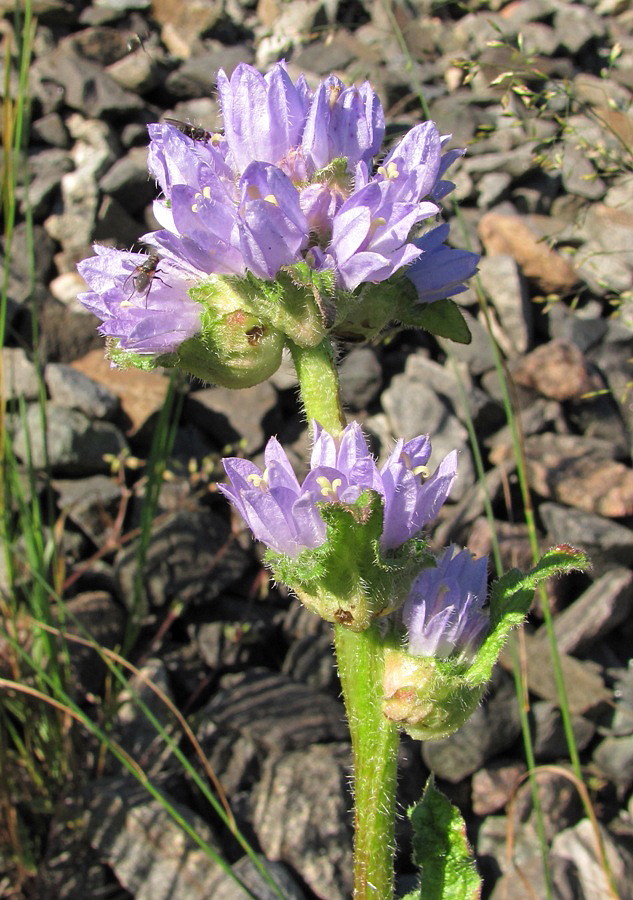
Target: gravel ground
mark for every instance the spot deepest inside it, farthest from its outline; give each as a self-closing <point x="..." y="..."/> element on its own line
<point x="546" y="196"/>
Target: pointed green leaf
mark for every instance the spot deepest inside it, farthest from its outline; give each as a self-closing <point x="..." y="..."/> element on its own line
<point x="441" y="850"/>
<point x="442" y="318"/>
<point x="510" y="601"/>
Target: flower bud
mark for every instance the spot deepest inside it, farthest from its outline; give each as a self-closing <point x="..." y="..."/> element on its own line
<point x="235" y="348"/>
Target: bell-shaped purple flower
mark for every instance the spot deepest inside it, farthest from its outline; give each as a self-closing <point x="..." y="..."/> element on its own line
<point x="141" y="299"/>
<point x="284" y="514"/>
<point x="444" y="614"/>
<point x="440" y="271"/>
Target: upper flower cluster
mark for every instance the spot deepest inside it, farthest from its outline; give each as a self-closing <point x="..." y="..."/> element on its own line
<point x="291" y="180"/>
<point x="284" y="514"/>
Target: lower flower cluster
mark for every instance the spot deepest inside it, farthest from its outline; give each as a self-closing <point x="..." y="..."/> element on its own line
<point x="346" y="500"/>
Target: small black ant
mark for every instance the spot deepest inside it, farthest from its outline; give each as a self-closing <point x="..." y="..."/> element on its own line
<point x="143" y="275"/>
<point x="195" y="132"/>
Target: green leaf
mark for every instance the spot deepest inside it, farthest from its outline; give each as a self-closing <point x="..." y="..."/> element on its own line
<point x="441" y="850"/>
<point x="510" y="601"/>
<point x="442" y="318"/>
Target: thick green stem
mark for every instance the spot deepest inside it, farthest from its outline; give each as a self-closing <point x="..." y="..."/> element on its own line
<point x="360" y="665"/>
<point x="319" y="385"/>
<point x="375" y="748"/>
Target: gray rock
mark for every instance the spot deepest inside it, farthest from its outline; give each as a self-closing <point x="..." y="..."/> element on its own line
<point x="96" y="616"/>
<point x="583" y="327"/>
<point x="577" y="25"/>
<point x="585" y="871"/>
<point x="273" y="711"/>
<point x="414" y="407"/>
<point x="360" y="376"/>
<point x="74" y="445"/>
<point x="70" y="388"/>
<point x="19" y="375"/>
<point x="607" y="543"/>
<point x="559" y="801"/>
<point x="491" y="188"/>
<point x="196" y="75"/>
<point x="246" y="418"/>
<point x="614" y="757"/>
<point x="613" y="358"/>
<point x="133" y="729"/>
<point x="579" y="174"/>
<point x="491" y="729"/>
<point x="504" y="284"/>
<point x="310" y="659"/>
<point x="92" y="504"/>
<point x="140" y="71"/>
<point x="477" y="355"/>
<point x="50" y="129"/>
<point x="46" y="168"/>
<point x="300" y="816"/>
<point x="151" y="855"/>
<point x="548" y="733"/>
<point x="190" y="559"/>
<point x="622" y="723"/>
<point x="129" y="182"/>
<point x="113" y="220"/>
<point x="86" y="86"/>
<point x="598" y="611"/>
<point x="94" y="152"/>
<point x="226" y="888"/>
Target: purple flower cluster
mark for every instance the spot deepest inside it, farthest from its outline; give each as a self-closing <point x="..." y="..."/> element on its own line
<point x="444" y="612"/>
<point x="291" y="180"/>
<point x="284" y="514"/>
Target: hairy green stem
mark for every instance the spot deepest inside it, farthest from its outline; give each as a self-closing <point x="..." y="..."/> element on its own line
<point x="375" y="747"/>
<point x="319" y="385"/>
<point x="360" y="664"/>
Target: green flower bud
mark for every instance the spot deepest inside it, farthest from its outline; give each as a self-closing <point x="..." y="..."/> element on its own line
<point x="236" y="348"/>
<point x="427" y="697"/>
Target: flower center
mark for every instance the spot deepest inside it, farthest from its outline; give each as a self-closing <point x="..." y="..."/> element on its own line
<point x="329" y="489"/>
<point x="259" y="481"/>
<point x="390" y="171"/>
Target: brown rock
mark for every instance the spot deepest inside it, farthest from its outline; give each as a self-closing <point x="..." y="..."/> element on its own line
<point x="493" y="786"/>
<point x="523" y="238"/>
<point x="141" y="393"/>
<point x="557" y="370"/>
<point x="579" y="473"/>
<point x="183" y="24"/>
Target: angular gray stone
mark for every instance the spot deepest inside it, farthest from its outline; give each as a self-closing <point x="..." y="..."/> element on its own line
<point x="274" y="711"/>
<point x="502" y="281"/>
<point x="360" y="376"/>
<point x="598" y="611"/>
<point x="86" y="86"/>
<point x="614" y="757"/>
<point x="19" y="375"/>
<point x="70" y="388"/>
<point x="246" y="418"/>
<point x="492" y="728"/>
<point x="92" y="504"/>
<point x="190" y="559"/>
<point x="129" y="182"/>
<point x="578" y="847"/>
<point x="414" y="407"/>
<point x="607" y="543"/>
<point x="74" y="445"/>
<point x="151" y="855"/>
<point x="301" y="816"/>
